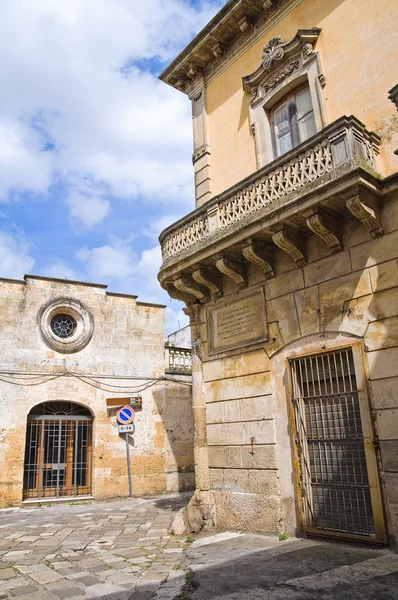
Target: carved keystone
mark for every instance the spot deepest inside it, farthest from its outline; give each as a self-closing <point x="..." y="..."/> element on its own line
<point x="367" y="211"/>
<point x="186" y="284"/>
<point x="288" y="240"/>
<point x="325" y="226"/>
<point x="209" y="279"/>
<point x="257" y="253"/>
<point x="178" y="294"/>
<point x="233" y="269"/>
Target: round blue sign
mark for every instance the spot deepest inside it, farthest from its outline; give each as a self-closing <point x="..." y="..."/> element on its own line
<point x="125" y="415"/>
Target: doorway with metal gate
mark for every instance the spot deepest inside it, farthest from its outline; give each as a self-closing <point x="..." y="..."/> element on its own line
<point x="338" y="480"/>
<point x="58" y="451"/>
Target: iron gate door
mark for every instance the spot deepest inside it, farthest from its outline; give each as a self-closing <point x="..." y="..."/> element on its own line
<point x="338" y="476"/>
<point x="57" y="456"/>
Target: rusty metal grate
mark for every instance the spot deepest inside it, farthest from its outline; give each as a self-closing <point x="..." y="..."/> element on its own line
<point x="57" y="455"/>
<point x="335" y="490"/>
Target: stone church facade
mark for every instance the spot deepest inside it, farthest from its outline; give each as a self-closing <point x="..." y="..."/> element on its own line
<point x="288" y="266"/>
<point x="67" y="348"/>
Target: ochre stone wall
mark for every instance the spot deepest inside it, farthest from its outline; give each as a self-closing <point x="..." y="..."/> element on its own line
<point x="358" y="72"/>
<point x="334" y="301"/>
<point x="128" y="342"/>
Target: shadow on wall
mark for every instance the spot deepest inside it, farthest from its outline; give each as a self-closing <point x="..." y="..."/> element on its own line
<point x="360" y="307"/>
<point x="174" y="405"/>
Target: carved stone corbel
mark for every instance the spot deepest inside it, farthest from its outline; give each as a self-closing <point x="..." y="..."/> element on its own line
<point x="186" y="284"/>
<point x="245" y="24"/>
<point x="209" y="279"/>
<point x="233" y="269"/>
<point x="219" y="49"/>
<point x="325" y="226"/>
<point x="366" y="210"/>
<point x="288" y="240"/>
<point x="173" y="292"/>
<point x="257" y="253"/>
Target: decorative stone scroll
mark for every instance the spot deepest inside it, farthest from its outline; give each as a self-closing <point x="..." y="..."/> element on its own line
<point x="325" y="226"/>
<point x="368" y="212"/>
<point x="209" y="279"/>
<point x="233" y="269"/>
<point x="237" y="322"/>
<point x="257" y="253"/>
<point x="288" y="240"/>
<point x="186" y="284"/>
<point x="279" y="60"/>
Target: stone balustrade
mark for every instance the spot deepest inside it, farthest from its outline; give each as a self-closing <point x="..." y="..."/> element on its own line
<point x="340" y="148"/>
<point x="178" y="360"/>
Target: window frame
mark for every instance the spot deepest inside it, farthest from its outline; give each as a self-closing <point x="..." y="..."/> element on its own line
<point x="294" y="122"/>
<point x="265" y="97"/>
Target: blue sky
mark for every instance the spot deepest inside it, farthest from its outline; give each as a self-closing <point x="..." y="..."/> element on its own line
<point x="95" y="152"/>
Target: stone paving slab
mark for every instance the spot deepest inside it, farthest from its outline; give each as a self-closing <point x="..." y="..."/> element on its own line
<point x="117" y="550"/>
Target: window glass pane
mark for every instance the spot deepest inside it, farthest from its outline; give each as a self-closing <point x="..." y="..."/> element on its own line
<point x="284" y="144"/>
<point x="303" y="103"/>
<point x="307" y="126"/>
<point x="282" y="130"/>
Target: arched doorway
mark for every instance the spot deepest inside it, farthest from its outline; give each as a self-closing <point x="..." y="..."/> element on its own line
<point x="58" y="452"/>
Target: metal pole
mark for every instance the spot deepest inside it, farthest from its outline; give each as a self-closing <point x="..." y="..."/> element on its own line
<point x="129" y="466"/>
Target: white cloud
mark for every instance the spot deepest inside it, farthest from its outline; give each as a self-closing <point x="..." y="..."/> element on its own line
<point x="67" y="72"/>
<point x="115" y="261"/>
<point x="15" y="260"/>
<point x="23" y="163"/>
<point x="118" y="265"/>
<point x="61" y="270"/>
<point x="89" y="210"/>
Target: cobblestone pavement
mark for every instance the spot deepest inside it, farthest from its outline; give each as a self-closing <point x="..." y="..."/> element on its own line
<point x="116" y="550"/>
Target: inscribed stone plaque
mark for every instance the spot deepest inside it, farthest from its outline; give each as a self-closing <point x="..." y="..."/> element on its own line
<point x="237" y="322"/>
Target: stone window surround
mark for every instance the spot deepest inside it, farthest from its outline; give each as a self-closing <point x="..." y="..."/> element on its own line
<point x="84" y="325"/>
<point x="299" y="64"/>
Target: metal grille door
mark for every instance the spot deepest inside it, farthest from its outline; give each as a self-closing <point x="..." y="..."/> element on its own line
<point x="57" y="456"/>
<point x="339" y="485"/>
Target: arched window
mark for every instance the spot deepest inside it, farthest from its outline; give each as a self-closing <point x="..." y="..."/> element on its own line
<point x="58" y="452"/>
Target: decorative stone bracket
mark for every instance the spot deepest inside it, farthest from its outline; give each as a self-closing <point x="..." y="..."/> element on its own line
<point x="233" y="269"/>
<point x="259" y="254"/>
<point x="325" y="226"/>
<point x="287" y="239"/>
<point x="365" y="208"/>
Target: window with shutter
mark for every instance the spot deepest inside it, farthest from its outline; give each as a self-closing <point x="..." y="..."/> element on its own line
<point x="292" y="121"/>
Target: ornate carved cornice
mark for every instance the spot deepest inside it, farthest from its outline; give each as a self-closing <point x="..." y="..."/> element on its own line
<point x="280" y="59"/>
<point x="223" y="37"/>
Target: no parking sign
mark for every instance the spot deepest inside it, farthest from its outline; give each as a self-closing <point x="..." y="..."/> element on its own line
<point x="125" y="415"/>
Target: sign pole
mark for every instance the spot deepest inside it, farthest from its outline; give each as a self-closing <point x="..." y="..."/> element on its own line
<point x="129" y="466"/>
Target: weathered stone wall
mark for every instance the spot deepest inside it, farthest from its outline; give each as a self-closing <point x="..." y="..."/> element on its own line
<point x="127" y="343"/>
<point x="332" y="302"/>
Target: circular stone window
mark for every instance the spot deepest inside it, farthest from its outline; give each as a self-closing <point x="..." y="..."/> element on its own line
<point x="65" y="325"/>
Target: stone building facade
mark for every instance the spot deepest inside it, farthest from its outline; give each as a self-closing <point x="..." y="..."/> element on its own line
<point x="288" y="266"/>
<point x="67" y="347"/>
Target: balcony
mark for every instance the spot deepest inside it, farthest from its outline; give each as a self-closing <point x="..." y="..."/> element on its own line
<point x="333" y="174"/>
<point x="178" y="361"/>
